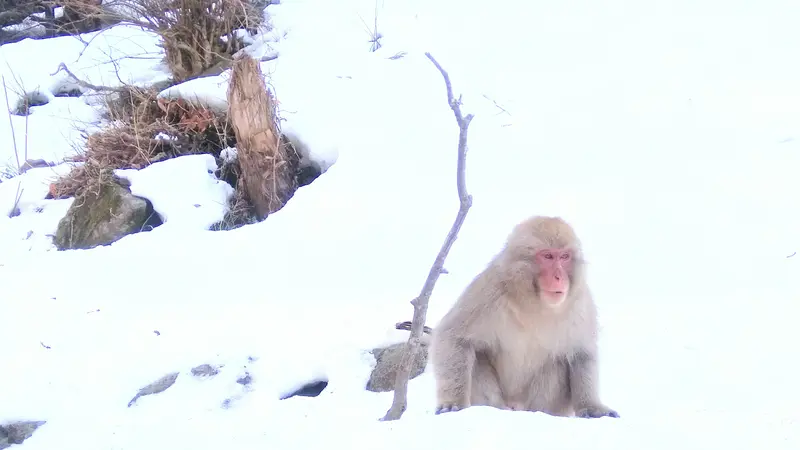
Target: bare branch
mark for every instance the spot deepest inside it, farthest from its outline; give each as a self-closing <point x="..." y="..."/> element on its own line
<point x="11" y="123"/>
<point x="85" y="84"/>
<point x="420" y="303"/>
<point x="497" y="105"/>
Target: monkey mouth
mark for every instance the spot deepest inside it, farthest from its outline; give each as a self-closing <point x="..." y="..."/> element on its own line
<point x="553" y="297"/>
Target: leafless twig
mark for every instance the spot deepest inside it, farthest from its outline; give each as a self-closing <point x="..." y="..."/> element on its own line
<point x="420" y="303"/>
<point x="497" y="105"/>
<point x="374" y="35"/>
<point x="85" y="84"/>
<point x="11" y="124"/>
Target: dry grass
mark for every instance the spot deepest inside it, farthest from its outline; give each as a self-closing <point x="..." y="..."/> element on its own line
<point x="240" y="212"/>
<point x="143" y="130"/>
<point x="192" y="40"/>
<point x="133" y="104"/>
<point x="121" y="146"/>
<point x="195" y="34"/>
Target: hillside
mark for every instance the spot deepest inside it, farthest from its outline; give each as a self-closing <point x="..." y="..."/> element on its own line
<point x="668" y="136"/>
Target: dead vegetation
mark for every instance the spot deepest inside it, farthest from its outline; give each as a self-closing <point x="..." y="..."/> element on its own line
<point x="144" y="129"/>
<point x="195" y="34"/>
<point x="240" y="212"/>
<point x="261" y="164"/>
<point x="21" y="19"/>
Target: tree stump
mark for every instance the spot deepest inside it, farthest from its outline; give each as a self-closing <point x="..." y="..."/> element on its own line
<point x="268" y="166"/>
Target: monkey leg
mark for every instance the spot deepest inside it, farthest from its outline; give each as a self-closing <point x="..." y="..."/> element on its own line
<point x="583" y="387"/>
<point x="548" y="390"/>
<point x="453" y="364"/>
<point x="486" y="389"/>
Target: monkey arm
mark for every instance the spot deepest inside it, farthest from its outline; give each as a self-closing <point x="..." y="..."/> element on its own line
<point x="583" y="374"/>
<point x="583" y="383"/>
<point x="456" y="361"/>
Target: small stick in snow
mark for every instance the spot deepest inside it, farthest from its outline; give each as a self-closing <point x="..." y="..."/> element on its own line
<point x="85" y="84"/>
<point x="420" y="303"/>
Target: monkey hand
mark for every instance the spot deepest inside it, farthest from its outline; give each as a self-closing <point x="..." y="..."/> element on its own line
<point x="595" y="411"/>
<point x="450" y="407"/>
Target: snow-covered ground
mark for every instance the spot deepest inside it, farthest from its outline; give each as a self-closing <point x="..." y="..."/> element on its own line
<point x="667" y="134"/>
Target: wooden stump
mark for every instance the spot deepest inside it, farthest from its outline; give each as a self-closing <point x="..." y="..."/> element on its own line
<point x="268" y="167"/>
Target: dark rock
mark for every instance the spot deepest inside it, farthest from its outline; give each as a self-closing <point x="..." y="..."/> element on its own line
<point x="205" y="370"/>
<point x="307" y="174"/>
<point x="388" y="359"/>
<point x="407" y="327"/>
<point x="100" y="218"/>
<point x="160" y="385"/>
<point x="17" y="432"/>
<point x="34" y="164"/>
<point x="312" y="389"/>
<point x="68" y="92"/>
<point x="245" y="380"/>
<point x="28" y="101"/>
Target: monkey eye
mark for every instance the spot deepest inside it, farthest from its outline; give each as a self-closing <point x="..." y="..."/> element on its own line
<point x="548" y="256"/>
<point x="565" y="256"/>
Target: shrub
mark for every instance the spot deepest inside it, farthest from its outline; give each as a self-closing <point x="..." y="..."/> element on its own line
<point x="195" y="34"/>
<point x="144" y="129"/>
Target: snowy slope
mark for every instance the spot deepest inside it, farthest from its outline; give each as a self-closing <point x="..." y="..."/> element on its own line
<point x="669" y="136"/>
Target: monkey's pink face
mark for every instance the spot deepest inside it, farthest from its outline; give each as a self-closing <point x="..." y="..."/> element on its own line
<point x="555" y="268"/>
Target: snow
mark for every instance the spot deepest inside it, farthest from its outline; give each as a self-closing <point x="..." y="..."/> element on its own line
<point x="117" y="56"/>
<point x="184" y="191"/>
<point x="112" y="57"/>
<point x="36" y="218"/>
<point x="210" y="92"/>
<point x="666" y="134"/>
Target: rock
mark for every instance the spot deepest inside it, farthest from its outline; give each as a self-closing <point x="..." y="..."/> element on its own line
<point x="312" y="389"/>
<point x="160" y="385"/>
<point x="34" y="164"/>
<point x="388" y="359"/>
<point x="100" y="219"/>
<point x="16" y="432"/>
<point x="407" y="327"/>
<point x="245" y="379"/>
<point x="205" y="370"/>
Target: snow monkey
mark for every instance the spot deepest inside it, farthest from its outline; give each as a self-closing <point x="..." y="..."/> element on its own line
<point x="523" y="334"/>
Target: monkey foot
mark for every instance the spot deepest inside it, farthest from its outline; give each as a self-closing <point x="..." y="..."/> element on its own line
<point x="449" y="407"/>
<point x="594" y="412"/>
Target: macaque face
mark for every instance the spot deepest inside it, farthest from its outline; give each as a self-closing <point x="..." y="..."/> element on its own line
<point x="555" y="269"/>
